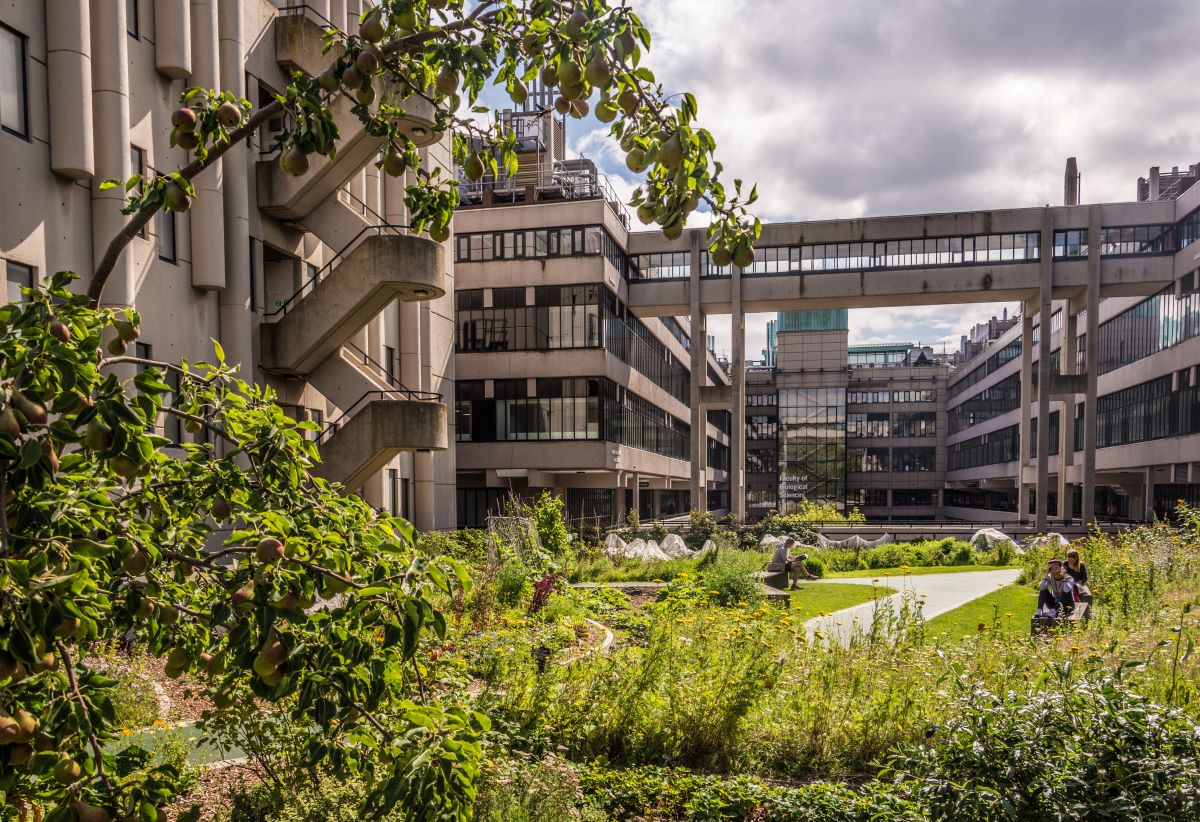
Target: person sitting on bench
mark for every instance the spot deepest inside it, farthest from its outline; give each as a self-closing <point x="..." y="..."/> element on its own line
<point x="782" y="561"/>
<point x="1078" y="572"/>
<point x="1057" y="590"/>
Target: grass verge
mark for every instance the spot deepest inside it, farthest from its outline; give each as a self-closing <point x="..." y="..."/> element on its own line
<point x="1005" y="611"/>
<point x="813" y="600"/>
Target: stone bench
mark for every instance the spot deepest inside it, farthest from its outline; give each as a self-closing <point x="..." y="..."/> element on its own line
<point x="773" y="579"/>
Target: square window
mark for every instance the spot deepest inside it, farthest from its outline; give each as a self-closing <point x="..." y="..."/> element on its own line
<point x="19" y="276"/>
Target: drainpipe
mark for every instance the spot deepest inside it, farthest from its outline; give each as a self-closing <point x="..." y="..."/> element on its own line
<point x="110" y="105"/>
<point x="208" y="211"/>
<point x="69" y="76"/>
<point x="172" y="38"/>
<point x="236" y="319"/>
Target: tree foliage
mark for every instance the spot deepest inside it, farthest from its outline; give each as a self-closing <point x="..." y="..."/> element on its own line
<point x="231" y="559"/>
<point x="443" y="54"/>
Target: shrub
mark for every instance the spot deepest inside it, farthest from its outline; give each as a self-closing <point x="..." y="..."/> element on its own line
<point x="815" y="566"/>
<point x="516" y="790"/>
<point x="633" y="523"/>
<point x="732" y="581"/>
<point x="677" y="793"/>
<point x="326" y="798"/>
<point x="512" y="585"/>
<point x="701" y="528"/>
<point x="469" y="545"/>
<point x="658" y="531"/>
<point x="548" y="513"/>
<point x="1092" y="751"/>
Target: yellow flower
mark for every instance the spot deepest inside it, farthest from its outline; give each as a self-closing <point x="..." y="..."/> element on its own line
<point x="126" y="732"/>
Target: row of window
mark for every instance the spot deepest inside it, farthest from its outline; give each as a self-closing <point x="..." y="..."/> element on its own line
<point x="865" y="397"/>
<point x="577" y="241"/>
<point x="991" y="402"/>
<point x="566" y="317"/>
<point x="1149" y="411"/>
<point x="587" y="408"/>
<point x="1117" y="241"/>
<point x="765" y="499"/>
<point x="992" y="364"/>
<point x="905" y="460"/>
<point x="987" y="449"/>
<point x="1153" y="325"/>
<point x="894" y="424"/>
<point x="760" y="400"/>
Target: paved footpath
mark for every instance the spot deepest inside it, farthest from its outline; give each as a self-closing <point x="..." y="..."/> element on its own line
<point x="941" y="593"/>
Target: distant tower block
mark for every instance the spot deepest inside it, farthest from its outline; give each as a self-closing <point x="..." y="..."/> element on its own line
<point x="1071" y="183"/>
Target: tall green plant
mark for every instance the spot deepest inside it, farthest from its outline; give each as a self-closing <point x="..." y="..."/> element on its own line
<point x="214" y="558"/>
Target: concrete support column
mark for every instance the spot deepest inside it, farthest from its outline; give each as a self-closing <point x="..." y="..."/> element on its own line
<point x="69" y="75"/>
<point x="619" y="508"/>
<point x="353" y="12"/>
<point x="637" y="494"/>
<point x="699" y="376"/>
<point x="337" y="13"/>
<point x="1088" y="506"/>
<point x="110" y="104"/>
<point x="207" y="213"/>
<point x="1043" y="390"/>
<point x="1066" y="415"/>
<point x="423" y="474"/>
<point x="1026" y="410"/>
<point x="737" y="431"/>
<point x="173" y="38"/>
<point x="237" y="322"/>
<point x="1148" y="495"/>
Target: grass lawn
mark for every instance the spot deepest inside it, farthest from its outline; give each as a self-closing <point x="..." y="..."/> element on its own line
<point x="916" y="571"/>
<point x="813" y="600"/>
<point x="1008" y="609"/>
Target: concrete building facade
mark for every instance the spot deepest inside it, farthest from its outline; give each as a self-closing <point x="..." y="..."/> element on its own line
<point x="312" y="284"/>
<point x="577" y="344"/>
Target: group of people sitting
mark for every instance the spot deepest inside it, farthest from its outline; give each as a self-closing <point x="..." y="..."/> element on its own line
<point x="1064" y="585"/>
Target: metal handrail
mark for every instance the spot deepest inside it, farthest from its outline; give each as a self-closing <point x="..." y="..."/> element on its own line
<point x="332" y="428"/>
<point x="326" y="269"/>
<point x="391" y="379"/>
<point x="296" y="9"/>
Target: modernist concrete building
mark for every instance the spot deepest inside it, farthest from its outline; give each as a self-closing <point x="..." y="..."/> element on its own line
<point x="572" y="335"/>
<point x="854" y="426"/>
<point x="311" y="284"/>
<point x="559" y="385"/>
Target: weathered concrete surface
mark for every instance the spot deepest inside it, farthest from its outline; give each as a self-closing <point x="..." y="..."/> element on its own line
<point x="940" y="593"/>
<point x="298" y="45"/>
<point x="917" y="285"/>
<point x="377" y="433"/>
<point x="343" y="377"/>
<point x="382" y="268"/>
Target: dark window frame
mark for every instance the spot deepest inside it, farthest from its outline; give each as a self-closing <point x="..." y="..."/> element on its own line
<point x="23" y="89"/>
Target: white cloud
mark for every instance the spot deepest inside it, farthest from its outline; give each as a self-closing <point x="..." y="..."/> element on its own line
<point x="859" y="108"/>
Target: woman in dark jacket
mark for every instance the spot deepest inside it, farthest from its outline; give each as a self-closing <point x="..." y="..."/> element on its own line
<point x="1078" y="572"/>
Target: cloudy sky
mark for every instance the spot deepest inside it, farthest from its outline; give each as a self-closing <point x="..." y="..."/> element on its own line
<point x="865" y="108"/>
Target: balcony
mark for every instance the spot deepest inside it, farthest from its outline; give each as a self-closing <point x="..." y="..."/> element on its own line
<point x="380" y="425"/>
<point x="377" y="267"/>
<point x="299" y="32"/>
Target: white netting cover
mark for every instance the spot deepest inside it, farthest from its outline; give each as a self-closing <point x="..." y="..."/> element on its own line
<point x="854" y="542"/>
<point x="769" y="541"/>
<point x="1052" y="541"/>
<point x="986" y="538"/>
<point x="674" y="547"/>
<point x="617" y="548"/>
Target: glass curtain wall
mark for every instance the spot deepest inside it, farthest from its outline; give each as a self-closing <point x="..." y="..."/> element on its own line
<point x="812" y="447"/>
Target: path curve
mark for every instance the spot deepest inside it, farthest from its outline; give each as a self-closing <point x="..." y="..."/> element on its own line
<point x="941" y="593"/>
